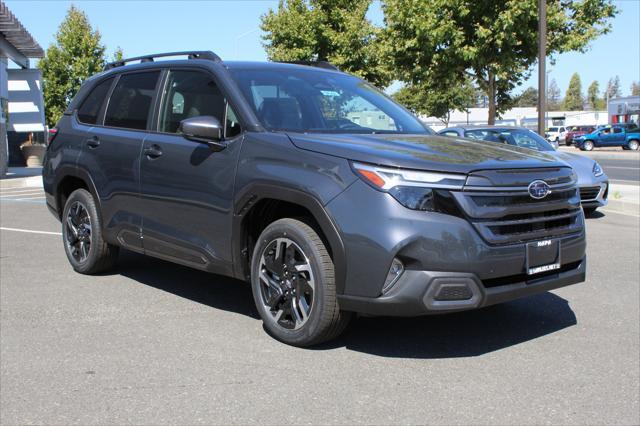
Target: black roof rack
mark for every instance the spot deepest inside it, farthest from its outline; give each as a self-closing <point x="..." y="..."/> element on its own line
<point x="318" y="64"/>
<point x="200" y="54"/>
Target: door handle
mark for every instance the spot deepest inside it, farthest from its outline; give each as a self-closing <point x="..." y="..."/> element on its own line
<point x="93" y="142"/>
<point x="153" y="151"/>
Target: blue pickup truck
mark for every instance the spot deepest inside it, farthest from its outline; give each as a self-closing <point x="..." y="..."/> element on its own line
<point x="626" y="136"/>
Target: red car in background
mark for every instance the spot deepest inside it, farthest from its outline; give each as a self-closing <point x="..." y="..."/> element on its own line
<point x="575" y="131"/>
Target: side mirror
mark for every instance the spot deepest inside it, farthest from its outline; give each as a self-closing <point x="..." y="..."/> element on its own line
<point x="204" y="129"/>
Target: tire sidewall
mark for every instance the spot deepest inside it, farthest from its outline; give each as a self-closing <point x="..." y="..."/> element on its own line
<point x="86" y="199"/>
<point x="286" y="228"/>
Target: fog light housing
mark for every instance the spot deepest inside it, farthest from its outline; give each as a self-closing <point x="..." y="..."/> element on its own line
<point x="395" y="271"/>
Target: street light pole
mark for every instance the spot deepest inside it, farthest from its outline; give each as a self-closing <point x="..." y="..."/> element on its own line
<point x="542" y="58"/>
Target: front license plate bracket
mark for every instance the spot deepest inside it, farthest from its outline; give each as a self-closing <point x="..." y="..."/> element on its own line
<point x="542" y="256"/>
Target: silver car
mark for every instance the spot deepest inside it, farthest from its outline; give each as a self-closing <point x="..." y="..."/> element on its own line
<point x="593" y="182"/>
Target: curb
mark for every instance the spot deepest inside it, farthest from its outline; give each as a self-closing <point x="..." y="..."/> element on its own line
<point x="27" y="182"/>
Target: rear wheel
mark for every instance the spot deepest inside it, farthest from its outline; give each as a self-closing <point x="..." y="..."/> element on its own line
<point x="633" y="145"/>
<point x="87" y="252"/>
<point x="292" y="279"/>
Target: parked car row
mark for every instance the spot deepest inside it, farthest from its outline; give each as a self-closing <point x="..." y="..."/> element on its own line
<point x="592" y="180"/>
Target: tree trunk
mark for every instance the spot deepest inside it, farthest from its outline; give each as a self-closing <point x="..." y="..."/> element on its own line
<point x="491" y="94"/>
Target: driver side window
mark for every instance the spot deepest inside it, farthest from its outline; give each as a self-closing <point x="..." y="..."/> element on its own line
<point x="189" y="94"/>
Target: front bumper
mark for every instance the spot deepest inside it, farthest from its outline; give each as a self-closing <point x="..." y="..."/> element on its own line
<point x="427" y="292"/>
<point x="593" y="195"/>
<point x="437" y="250"/>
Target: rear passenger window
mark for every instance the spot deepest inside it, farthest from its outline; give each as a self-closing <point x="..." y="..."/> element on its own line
<point x="130" y="102"/>
<point x="90" y="108"/>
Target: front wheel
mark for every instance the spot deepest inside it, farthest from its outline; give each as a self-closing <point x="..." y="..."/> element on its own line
<point x="587" y="146"/>
<point x="293" y="284"/>
<point x="633" y="145"/>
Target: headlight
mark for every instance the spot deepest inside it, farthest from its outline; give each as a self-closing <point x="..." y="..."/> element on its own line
<point x="597" y="170"/>
<point x="416" y="190"/>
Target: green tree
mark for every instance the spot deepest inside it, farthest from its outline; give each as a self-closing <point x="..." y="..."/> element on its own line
<point x="635" y="88"/>
<point x="528" y="98"/>
<point x="118" y="55"/>
<point x="573" y="100"/>
<point x="613" y="87"/>
<point x="337" y="31"/>
<point x="77" y="54"/>
<point x="554" y="96"/>
<point x="593" y="96"/>
<point x="495" y="43"/>
<point x="437" y="101"/>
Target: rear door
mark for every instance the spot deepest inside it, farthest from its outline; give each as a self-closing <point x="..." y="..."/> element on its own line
<point x="112" y="155"/>
<point x="186" y="186"/>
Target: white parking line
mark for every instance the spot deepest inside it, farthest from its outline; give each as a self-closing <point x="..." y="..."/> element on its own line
<point x="36" y="197"/>
<point x="17" y="194"/>
<point x="29" y="231"/>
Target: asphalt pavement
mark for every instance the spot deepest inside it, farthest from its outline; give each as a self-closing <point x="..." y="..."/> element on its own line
<point x="156" y="343"/>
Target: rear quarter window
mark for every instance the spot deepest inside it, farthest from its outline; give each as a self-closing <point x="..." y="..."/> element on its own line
<point x="90" y="108"/>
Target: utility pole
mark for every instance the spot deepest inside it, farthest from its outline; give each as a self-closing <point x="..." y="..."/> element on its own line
<point x="542" y="59"/>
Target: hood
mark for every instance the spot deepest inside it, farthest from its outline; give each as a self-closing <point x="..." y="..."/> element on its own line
<point x="582" y="165"/>
<point x="424" y="152"/>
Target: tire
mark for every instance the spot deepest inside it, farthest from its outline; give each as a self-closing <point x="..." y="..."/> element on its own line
<point x="587" y="146"/>
<point x="625" y="148"/>
<point x="281" y="293"/>
<point x="633" y="145"/>
<point x="86" y="250"/>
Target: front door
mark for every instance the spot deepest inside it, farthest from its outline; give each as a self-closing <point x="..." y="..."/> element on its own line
<point x="186" y="186"/>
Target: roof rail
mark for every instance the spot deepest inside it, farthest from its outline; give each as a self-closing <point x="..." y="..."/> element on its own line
<point x="199" y="54"/>
<point x="318" y="64"/>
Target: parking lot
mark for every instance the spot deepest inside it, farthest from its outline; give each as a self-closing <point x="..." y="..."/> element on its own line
<point x="159" y="343"/>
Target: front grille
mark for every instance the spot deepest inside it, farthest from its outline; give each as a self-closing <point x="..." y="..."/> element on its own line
<point x="589" y="193"/>
<point x="508" y="214"/>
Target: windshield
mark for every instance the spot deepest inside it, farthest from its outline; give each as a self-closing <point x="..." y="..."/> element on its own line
<point x="308" y="100"/>
<point x="553" y="129"/>
<point x="522" y="138"/>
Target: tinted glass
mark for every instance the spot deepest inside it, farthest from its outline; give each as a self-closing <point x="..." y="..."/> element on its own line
<point x="309" y="100"/>
<point x="130" y="103"/>
<point x="88" y="112"/>
<point x="527" y="139"/>
<point x="518" y="137"/>
<point x="189" y="94"/>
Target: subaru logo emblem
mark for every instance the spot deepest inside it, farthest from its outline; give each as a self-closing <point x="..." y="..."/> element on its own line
<point x="539" y="189"/>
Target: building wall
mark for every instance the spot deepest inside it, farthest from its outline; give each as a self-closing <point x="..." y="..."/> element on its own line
<point x="624" y="110"/>
<point x="26" y="111"/>
<point x="4" y="99"/>
<point x="525" y="117"/>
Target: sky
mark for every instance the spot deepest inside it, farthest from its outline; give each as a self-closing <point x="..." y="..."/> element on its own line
<point x="231" y="29"/>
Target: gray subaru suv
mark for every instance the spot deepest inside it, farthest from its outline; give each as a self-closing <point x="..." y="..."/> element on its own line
<point x="312" y="185"/>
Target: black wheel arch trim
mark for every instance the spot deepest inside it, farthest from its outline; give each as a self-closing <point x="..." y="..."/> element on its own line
<point x="71" y="171"/>
<point x="252" y="194"/>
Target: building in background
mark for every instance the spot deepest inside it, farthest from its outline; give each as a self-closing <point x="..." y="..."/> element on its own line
<point x="21" y="105"/>
<point x="624" y="110"/>
<point x="525" y="117"/>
